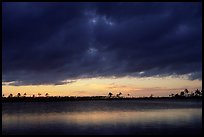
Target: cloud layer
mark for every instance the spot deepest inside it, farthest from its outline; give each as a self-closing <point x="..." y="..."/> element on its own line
<point x="50" y="43"/>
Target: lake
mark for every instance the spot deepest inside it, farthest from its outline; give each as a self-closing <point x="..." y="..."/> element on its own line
<point x="103" y="117"/>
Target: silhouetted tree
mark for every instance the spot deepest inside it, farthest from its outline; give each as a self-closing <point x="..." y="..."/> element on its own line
<point x="118" y="95"/>
<point x="192" y="94"/>
<point x="182" y="93"/>
<point x="197" y="92"/>
<point x="110" y="94"/>
<point x="186" y="92"/>
<point x="39" y="94"/>
<point x="151" y="96"/>
<point x="176" y="95"/>
<point x="19" y="94"/>
<point x="3" y="95"/>
<point x="172" y="95"/>
<point x="46" y="94"/>
<point x="24" y="94"/>
<point x="33" y="95"/>
<point x="10" y="95"/>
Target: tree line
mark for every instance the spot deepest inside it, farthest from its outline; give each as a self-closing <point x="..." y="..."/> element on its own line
<point x="186" y="93"/>
<point x="182" y="94"/>
<point x="24" y="95"/>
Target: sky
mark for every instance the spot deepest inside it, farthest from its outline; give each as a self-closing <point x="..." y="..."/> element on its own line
<point x="93" y="48"/>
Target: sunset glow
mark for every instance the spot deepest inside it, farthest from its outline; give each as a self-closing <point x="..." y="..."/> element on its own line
<point x="137" y="87"/>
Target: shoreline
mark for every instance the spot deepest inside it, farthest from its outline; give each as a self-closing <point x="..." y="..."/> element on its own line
<point x="94" y="98"/>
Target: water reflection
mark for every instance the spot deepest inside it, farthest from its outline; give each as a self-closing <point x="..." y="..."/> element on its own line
<point x="124" y="121"/>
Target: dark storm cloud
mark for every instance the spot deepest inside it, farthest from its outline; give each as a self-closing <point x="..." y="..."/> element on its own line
<point x="49" y="43"/>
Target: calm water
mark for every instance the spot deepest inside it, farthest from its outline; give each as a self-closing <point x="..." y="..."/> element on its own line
<point x="103" y="117"/>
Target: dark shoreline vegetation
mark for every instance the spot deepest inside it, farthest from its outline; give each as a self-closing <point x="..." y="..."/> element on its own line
<point x="197" y="94"/>
<point x="49" y="99"/>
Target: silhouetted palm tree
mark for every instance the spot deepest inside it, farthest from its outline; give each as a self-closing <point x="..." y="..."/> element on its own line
<point x="192" y="94"/>
<point x="39" y="94"/>
<point x="24" y="94"/>
<point x="33" y="95"/>
<point x="182" y="93"/>
<point x="10" y="95"/>
<point x="3" y="95"/>
<point x="197" y="92"/>
<point x="151" y="96"/>
<point x="176" y="95"/>
<point x="19" y="94"/>
<point x="46" y="94"/>
<point x="110" y="94"/>
<point x="171" y="95"/>
<point x="186" y="92"/>
<point x="118" y="95"/>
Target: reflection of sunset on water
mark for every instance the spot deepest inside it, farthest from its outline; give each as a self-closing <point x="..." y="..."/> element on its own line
<point x="78" y="117"/>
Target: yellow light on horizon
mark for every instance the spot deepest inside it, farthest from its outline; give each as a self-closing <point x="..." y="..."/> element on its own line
<point x="102" y="86"/>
